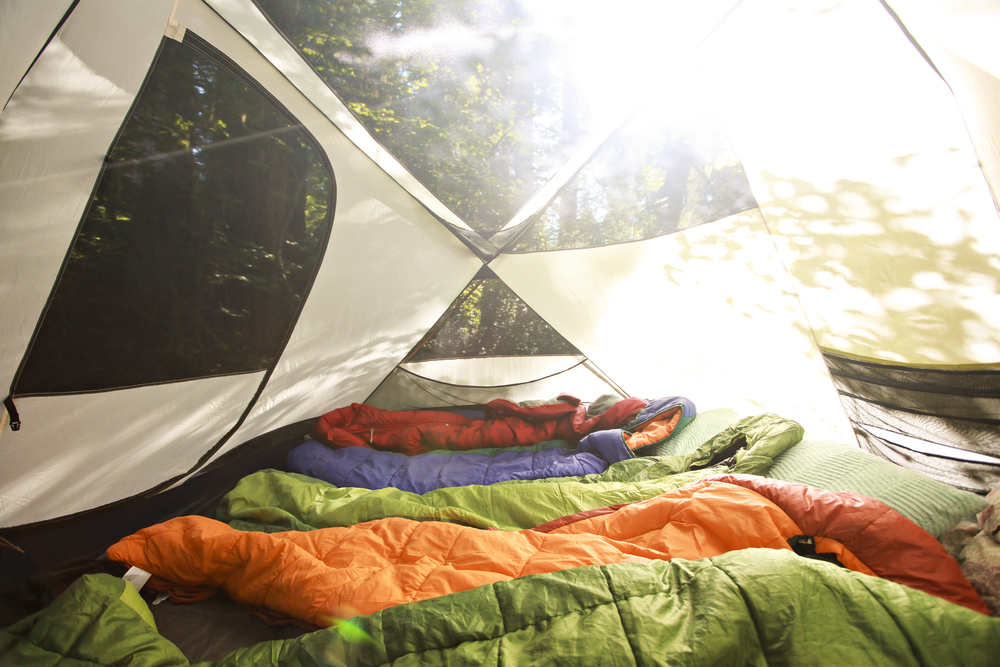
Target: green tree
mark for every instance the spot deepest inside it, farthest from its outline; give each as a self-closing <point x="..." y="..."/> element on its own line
<point x="477" y="125"/>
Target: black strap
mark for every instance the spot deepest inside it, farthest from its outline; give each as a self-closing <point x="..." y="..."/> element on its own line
<point x="15" y="419"/>
<point x="805" y="546"/>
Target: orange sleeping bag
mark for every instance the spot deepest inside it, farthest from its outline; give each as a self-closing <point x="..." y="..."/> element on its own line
<point x="332" y="573"/>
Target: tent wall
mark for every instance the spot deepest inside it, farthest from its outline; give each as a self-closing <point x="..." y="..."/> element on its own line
<point x="960" y="39"/>
<point x="870" y="180"/>
<point x="390" y="270"/>
<point x="863" y="167"/>
<point x="76" y="452"/>
<point x="25" y="27"/>
<point x="877" y="239"/>
<point x="707" y="313"/>
<point x="251" y="23"/>
<point x="54" y="134"/>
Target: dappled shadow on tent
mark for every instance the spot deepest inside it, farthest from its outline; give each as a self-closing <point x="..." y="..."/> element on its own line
<point x="873" y="279"/>
<point x="894" y="284"/>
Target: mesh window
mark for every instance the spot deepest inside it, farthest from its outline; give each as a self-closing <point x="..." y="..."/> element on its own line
<point x="479" y="101"/>
<point x="669" y="168"/>
<point x="200" y="243"/>
<point x="488" y="319"/>
<point x="956" y="411"/>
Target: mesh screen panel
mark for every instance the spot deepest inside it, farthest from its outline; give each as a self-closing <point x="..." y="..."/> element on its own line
<point x="959" y="409"/>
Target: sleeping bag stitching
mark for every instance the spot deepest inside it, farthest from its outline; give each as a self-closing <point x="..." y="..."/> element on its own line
<point x="399" y="468"/>
<point x="437" y="480"/>
<point x="357" y="465"/>
<point x="552" y="617"/>
<point x="626" y="631"/>
<point x="750" y="610"/>
<point x="430" y="573"/>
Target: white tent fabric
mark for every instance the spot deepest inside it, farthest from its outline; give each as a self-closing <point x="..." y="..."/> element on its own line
<point x="863" y="167"/>
<point x="25" y="26"/>
<point x="877" y="237"/>
<point x="89" y="450"/>
<point x="54" y="133"/>
<point x="390" y="270"/>
<point x="960" y="39"/>
<point x="707" y="313"/>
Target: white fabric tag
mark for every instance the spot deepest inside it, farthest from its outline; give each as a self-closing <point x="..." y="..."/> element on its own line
<point x="137" y="577"/>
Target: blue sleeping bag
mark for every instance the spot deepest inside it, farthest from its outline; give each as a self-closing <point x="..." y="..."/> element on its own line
<point x="366" y="468"/>
<point x="373" y="469"/>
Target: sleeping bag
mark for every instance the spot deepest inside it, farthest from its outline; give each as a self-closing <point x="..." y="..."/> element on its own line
<point x="372" y="469"/>
<point x="271" y="500"/>
<point x="421" y="473"/>
<point x="747" y="607"/>
<point x="504" y="424"/>
<point x="324" y="575"/>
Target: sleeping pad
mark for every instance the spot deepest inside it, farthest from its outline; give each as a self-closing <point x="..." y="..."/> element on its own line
<point x="747" y="607"/>
<point x="504" y="424"/>
<point x="366" y="468"/>
<point x="332" y="573"/>
<point x="270" y="500"/>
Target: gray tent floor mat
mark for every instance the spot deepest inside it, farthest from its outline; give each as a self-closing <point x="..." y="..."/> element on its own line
<point x="206" y="630"/>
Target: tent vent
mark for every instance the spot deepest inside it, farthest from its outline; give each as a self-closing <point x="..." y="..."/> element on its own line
<point x="489" y="320"/>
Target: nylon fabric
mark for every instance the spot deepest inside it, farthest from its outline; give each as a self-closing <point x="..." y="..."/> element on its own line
<point x="421" y="473"/>
<point x="273" y="501"/>
<point x="760" y="607"/>
<point x="335" y="573"/>
<point x="505" y="424"/>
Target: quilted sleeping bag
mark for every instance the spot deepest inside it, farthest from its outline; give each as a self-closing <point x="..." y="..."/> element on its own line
<point x="505" y="424"/>
<point x="747" y="607"/>
<point x="272" y="500"/>
<point x="421" y="473"/>
<point x="372" y="469"/>
<point x="325" y="575"/>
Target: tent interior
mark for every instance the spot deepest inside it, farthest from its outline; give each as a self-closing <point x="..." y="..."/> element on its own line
<point x="223" y="219"/>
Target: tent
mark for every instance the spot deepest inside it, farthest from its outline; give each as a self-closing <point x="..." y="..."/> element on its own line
<point x="222" y="219"/>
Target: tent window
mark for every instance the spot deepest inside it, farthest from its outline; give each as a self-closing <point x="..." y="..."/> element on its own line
<point x="478" y="101"/>
<point x="941" y="422"/>
<point x="488" y="319"/>
<point x="201" y="241"/>
<point x="669" y="168"/>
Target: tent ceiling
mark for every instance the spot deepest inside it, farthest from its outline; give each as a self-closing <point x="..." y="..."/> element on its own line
<point x="877" y="236"/>
<point x="708" y="313"/>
